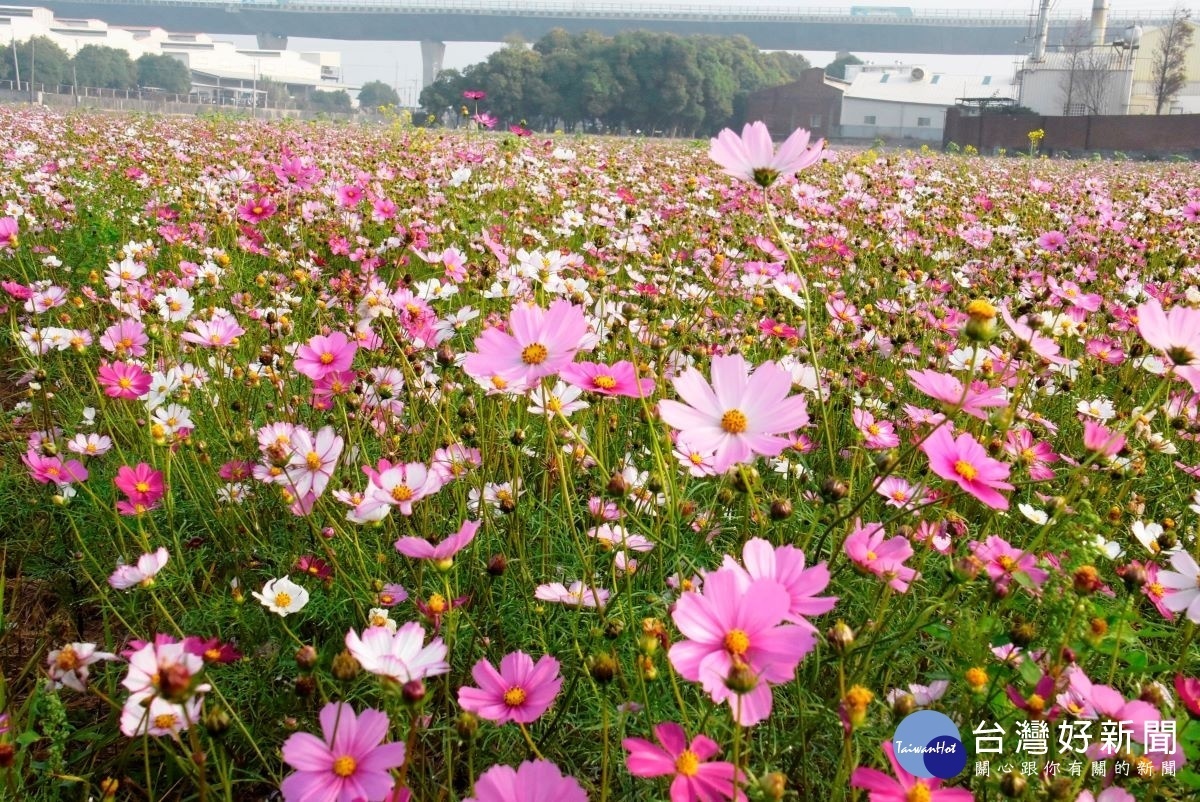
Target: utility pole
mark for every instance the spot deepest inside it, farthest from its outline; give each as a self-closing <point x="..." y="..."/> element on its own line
<point x="16" y="64"/>
<point x="32" y="66"/>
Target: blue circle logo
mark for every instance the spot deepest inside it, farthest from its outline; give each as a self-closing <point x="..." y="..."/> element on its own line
<point x="927" y="744"/>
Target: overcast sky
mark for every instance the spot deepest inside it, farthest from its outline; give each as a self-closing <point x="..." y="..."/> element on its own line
<point x="399" y="63"/>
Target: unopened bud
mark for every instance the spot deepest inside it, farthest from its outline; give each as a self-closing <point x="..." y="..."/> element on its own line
<point x="1013" y="785"/>
<point x="617" y="486"/>
<point x="773" y="785"/>
<point x="840" y="637"/>
<point x="834" y="490"/>
<point x="216" y="720"/>
<point x="413" y="691"/>
<point x="306" y="686"/>
<point x="781" y="509"/>
<point x="466" y="725"/>
<point x="345" y="667"/>
<point x="306" y="657"/>
<point x="602" y="667"/>
<point x="741" y="679"/>
<point x="497" y="565"/>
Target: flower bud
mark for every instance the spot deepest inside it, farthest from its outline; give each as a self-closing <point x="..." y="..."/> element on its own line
<point x="413" y="692"/>
<point x="1013" y="784"/>
<point x="781" y="509"/>
<point x="741" y="679"/>
<point x="602" y="667"/>
<point x="466" y="725"/>
<point x="1086" y="580"/>
<point x="840" y="637"/>
<point x="109" y="787"/>
<point x="345" y="667"/>
<point x="306" y="686"/>
<point x="617" y="486"/>
<point x="216" y="720"/>
<point x="834" y="490"/>
<point x="773" y="785"/>
<point x="306" y="657"/>
<point x="497" y="565"/>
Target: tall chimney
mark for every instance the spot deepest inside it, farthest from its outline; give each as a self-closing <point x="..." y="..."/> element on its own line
<point x="1099" y="21"/>
<point x="1043" y="32"/>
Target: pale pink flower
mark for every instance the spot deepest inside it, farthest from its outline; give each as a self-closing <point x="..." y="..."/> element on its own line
<point x="313" y="460"/>
<point x="752" y="157"/>
<point x="148" y="565"/>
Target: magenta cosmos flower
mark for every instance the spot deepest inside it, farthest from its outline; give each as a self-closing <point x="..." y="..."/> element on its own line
<point x="141" y="483"/>
<point x="904" y="787"/>
<point x="541" y="343"/>
<point x="520" y="691"/>
<point x="736" y="634"/>
<point x="752" y="157"/>
<point x="964" y="462"/>
<point x="1002" y="560"/>
<point x="124" y="380"/>
<point x="532" y="781"/>
<point x="618" y="379"/>
<point x="973" y="400"/>
<point x="870" y="549"/>
<point x="1176" y="334"/>
<point x="325" y="354"/>
<point x="348" y="764"/>
<point x="696" y="778"/>
<point x="740" y="414"/>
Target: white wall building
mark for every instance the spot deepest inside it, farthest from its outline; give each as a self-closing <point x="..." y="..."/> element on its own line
<point x="217" y="67"/>
<point x="1078" y="81"/>
<point x="910" y="102"/>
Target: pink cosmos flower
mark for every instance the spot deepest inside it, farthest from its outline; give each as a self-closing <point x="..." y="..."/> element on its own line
<point x="1176" y="334"/>
<point x="221" y="331"/>
<point x="785" y="564"/>
<point x="740" y="414"/>
<point x="532" y="781"/>
<point x="877" y="434"/>
<point x="400" y="485"/>
<point x="1001" y="561"/>
<point x="147" y="714"/>
<point x="125" y="338"/>
<point x="124" y="380"/>
<point x="1182" y="585"/>
<point x="1100" y="439"/>
<point x="974" y="400"/>
<point x="44" y="469"/>
<point x="736" y="627"/>
<point x="141" y="483"/>
<point x="1036" y="456"/>
<point x="68" y="665"/>
<point x="965" y="462"/>
<point x="1188" y="689"/>
<point x="618" y="379"/>
<point x="8" y="233"/>
<point x="897" y="490"/>
<point x="128" y="576"/>
<point x="421" y="549"/>
<point x="1039" y="343"/>
<point x="348" y="763"/>
<point x="323" y="355"/>
<point x="577" y="595"/>
<point x="1052" y="241"/>
<point x="401" y="655"/>
<point x="313" y="460"/>
<point x="752" y="157"/>
<point x="255" y="210"/>
<point x="696" y="778"/>
<point x="869" y="550"/>
<point x="903" y="787"/>
<point x="1111" y="794"/>
<point x="520" y="691"/>
<point x="541" y="343"/>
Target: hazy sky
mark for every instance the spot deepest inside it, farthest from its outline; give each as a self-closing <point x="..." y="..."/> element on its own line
<point x="399" y="63"/>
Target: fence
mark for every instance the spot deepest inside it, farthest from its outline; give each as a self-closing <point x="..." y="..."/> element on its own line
<point x="1140" y="134"/>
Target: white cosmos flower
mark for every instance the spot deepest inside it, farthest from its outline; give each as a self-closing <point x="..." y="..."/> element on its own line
<point x="282" y="596"/>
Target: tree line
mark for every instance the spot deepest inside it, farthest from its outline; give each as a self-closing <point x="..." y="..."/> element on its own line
<point x="640" y="80"/>
<point x="42" y="61"/>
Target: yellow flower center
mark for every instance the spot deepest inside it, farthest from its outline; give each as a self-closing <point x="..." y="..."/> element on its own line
<point x="212" y="655"/>
<point x="534" y="354"/>
<point x="734" y="421"/>
<point x="514" y="697"/>
<point x="67" y="660"/>
<point x="326" y="358"/>
<point x="966" y="470"/>
<point x="165" y="721"/>
<point x="142" y="487"/>
<point x="282" y="599"/>
<point x="737" y="642"/>
<point x="437" y="604"/>
<point x="402" y="493"/>
<point x="918" y="793"/>
<point x="1036" y="704"/>
<point x="1006" y="562"/>
<point x="313" y="460"/>
<point x="125" y="382"/>
<point x="687" y="764"/>
<point x="499" y="383"/>
<point x="555" y="404"/>
<point x="344" y="766"/>
<point x="1155" y="589"/>
<point x="605" y="382"/>
<point x="873" y="428"/>
<point x="872" y="556"/>
<point x="257" y="210"/>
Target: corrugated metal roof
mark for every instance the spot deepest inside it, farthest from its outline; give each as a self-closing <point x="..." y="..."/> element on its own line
<point x="932" y="89"/>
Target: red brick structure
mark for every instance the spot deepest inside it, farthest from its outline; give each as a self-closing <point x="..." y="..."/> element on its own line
<point x="1141" y="134"/>
<point x="813" y="102"/>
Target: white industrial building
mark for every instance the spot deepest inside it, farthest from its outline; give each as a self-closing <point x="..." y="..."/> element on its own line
<point x="219" y="69"/>
<point x="910" y="102"/>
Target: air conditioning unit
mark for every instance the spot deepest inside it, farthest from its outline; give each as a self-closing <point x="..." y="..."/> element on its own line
<point x="918" y="73"/>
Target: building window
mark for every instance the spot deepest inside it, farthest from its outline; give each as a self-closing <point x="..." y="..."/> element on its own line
<point x="987" y="79"/>
<point x="869" y="119"/>
<point x="884" y="78"/>
<point x="935" y="79"/>
<point x="814" y="121"/>
<point x="922" y="122"/>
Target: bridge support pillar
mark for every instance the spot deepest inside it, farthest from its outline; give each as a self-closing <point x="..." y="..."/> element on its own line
<point x="272" y="41"/>
<point x="432" y="53"/>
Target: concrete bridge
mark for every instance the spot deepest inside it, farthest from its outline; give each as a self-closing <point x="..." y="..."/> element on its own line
<point x="867" y="28"/>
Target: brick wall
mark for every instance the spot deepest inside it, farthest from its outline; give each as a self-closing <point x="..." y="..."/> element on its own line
<point x="807" y="103"/>
<point x="1141" y="135"/>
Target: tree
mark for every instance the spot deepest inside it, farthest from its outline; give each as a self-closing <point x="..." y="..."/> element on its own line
<point x="38" y="59"/>
<point x="837" y="67"/>
<point x="1087" y="82"/>
<point x="375" y="94"/>
<point x="323" y="100"/>
<point x="163" y="72"/>
<point x="1168" y="62"/>
<point x="104" y="67"/>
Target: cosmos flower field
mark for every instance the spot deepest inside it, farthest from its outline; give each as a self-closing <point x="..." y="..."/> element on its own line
<point x="378" y="463"/>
